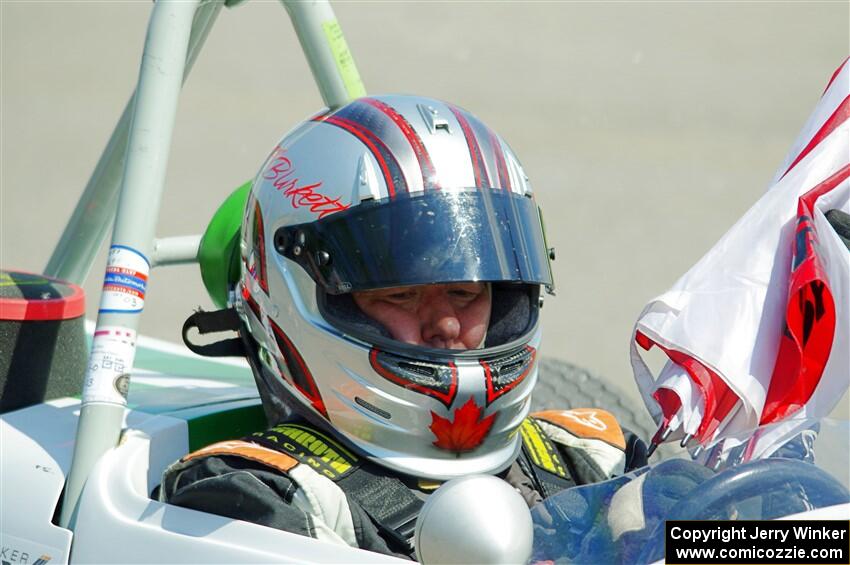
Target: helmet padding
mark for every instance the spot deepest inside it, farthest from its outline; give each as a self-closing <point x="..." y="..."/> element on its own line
<point x="513" y="314"/>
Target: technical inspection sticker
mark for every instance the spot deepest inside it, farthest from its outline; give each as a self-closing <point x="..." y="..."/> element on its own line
<point x="107" y="375"/>
<point x="125" y="282"/>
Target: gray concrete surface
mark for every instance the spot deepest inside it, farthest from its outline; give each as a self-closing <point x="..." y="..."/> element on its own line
<point x="647" y="128"/>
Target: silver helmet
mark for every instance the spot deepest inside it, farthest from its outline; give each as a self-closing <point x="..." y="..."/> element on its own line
<point x="393" y="191"/>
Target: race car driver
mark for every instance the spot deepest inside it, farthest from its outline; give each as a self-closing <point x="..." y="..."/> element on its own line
<point x="393" y="262"/>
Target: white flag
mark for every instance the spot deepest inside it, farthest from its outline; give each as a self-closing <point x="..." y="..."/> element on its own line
<point x="759" y="329"/>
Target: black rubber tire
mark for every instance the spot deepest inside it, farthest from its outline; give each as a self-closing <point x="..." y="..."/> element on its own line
<point x="563" y="385"/>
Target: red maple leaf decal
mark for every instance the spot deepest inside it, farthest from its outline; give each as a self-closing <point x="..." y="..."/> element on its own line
<point x="466" y="432"/>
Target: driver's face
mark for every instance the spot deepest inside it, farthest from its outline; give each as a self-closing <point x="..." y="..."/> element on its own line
<point x="446" y="316"/>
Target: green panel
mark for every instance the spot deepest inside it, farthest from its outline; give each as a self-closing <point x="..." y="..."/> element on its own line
<point x="218" y="253"/>
<point x="228" y="423"/>
<point x="173" y="364"/>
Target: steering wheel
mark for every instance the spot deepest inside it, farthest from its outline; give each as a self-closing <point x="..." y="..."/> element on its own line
<point x="757" y="478"/>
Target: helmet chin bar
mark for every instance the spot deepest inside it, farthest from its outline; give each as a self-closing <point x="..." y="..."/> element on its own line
<point x="439" y="379"/>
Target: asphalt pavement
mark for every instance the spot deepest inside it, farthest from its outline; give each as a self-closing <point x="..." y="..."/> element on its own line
<point x="647" y="128"/>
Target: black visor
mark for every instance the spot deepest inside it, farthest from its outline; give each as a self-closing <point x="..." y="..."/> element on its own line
<point x="432" y="237"/>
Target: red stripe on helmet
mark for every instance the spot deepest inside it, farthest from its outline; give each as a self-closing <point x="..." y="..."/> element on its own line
<point x="252" y="304"/>
<point x="479" y="168"/>
<point x="501" y="166"/>
<point x="836" y="119"/>
<point x="429" y="173"/>
<point x="370" y="140"/>
<point x="308" y="386"/>
<point x="260" y="243"/>
<point x="320" y="115"/>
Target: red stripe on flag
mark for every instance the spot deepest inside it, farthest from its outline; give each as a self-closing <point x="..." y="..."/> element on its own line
<point x="670" y="403"/>
<point x="836" y="119"/>
<point x="810" y="317"/>
<point x="810" y="197"/>
<point x="719" y="399"/>
<point x="834" y="75"/>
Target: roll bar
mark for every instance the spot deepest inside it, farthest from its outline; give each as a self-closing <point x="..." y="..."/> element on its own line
<point x="137" y="155"/>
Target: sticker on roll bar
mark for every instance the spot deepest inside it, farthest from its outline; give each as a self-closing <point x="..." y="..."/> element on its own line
<point x="107" y="375"/>
<point x="125" y="282"/>
<point x="343" y="59"/>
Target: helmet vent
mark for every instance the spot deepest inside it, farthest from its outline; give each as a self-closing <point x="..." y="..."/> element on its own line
<point x="367" y="185"/>
<point x="424" y="375"/>
<point x="280" y="241"/>
<point x="510" y="368"/>
<point x="438" y="380"/>
<point x="425" y="371"/>
<point x="372" y="408"/>
<point x="432" y="118"/>
<point x="505" y="373"/>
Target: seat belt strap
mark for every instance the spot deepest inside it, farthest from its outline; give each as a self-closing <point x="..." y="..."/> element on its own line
<point x="226" y="320"/>
<point x="542" y="461"/>
<point x="388" y="501"/>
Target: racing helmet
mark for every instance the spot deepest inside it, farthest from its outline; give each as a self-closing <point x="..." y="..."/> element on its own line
<point x="392" y="191"/>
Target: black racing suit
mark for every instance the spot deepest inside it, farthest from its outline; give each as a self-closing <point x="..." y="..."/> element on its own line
<point x="296" y="478"/>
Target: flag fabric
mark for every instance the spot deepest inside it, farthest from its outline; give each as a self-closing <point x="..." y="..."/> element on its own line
<point x="758" y="331"/>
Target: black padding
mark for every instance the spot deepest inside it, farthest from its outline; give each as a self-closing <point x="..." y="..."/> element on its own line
<point x="840" y="222"/>
<point x="513" y="313"/>
<point x="278" y="404"/>
<point x="41" y="360"/>
<point x="342" y="312"/>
